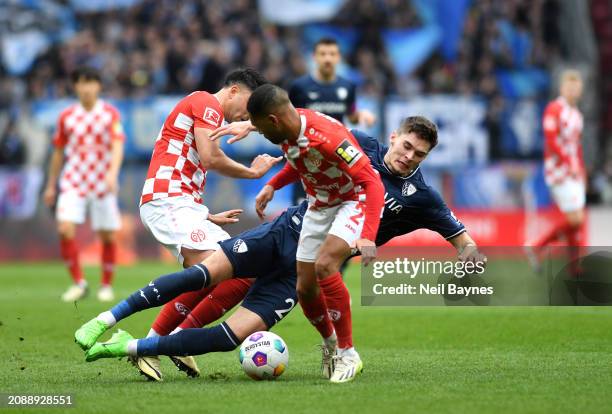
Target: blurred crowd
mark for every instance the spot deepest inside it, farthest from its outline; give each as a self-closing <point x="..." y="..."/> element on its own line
<point x="169" y="47"/>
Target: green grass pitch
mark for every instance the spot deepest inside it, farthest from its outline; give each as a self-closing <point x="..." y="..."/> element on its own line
<point x="428" y="359"/>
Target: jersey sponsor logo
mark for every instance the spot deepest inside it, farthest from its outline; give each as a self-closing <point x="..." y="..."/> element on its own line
<point x="408" y="189"/>
<point x="342" y="92"/>
<point x="212" y="116"/>
<point x="198" y="235"/>
<point x="313" y="95"/>
<point x="348" y="153"/>
<point x="240" y="246"/>
<point x="182" y="309"/>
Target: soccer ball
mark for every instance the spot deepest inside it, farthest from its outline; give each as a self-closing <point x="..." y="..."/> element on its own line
<point x="264" y="355"/>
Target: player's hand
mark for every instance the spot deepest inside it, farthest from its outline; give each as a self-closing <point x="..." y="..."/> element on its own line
<point x="367" y="249"/>
<point x="49" y="195"/>
<point x="225" y="217"/>
<point x="366" y="118"/>
<point x="112" y="184"/>
<point x="239" y="130"/>
<point x="262" y="164"/>
<point x="470" y="253"/>
<point x="263" y="198"/>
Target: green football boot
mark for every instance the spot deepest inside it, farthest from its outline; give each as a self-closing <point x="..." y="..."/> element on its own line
<point x="116" y="346"/>
<point x="88" y="333"/>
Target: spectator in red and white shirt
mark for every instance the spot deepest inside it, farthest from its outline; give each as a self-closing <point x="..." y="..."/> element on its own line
<point x="171" y="205"/>
<point x="88" y="152"/>
<point x="346" y="198"/>
<point x="563" y="163"/>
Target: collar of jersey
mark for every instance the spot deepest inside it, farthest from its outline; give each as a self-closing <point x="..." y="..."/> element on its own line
<point x="96" y="106"/>
<point x="399" y="176"/>
<point x="301" y="137"/>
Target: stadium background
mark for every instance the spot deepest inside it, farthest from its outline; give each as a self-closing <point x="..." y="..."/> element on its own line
<point x="483" y="70"/>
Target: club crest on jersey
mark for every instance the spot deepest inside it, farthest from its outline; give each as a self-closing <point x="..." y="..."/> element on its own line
<point x="342" y="92"/>
<point x="408" y="189"/>
<point x="240" y="246"/>
<point x="212" y="116"/>
<point x="348" y="153"/>
<point x="313" y="95"/>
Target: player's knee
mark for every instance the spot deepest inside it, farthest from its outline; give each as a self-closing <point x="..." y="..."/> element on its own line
<point x="325" y="266"/>
<point x="575" y="220"/>
<point x="66" y="230"/>
<point x="107" y="236"/>
<point x="307" y="293"/>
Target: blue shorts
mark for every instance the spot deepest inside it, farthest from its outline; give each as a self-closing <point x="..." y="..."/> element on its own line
<point x="267" y="253"/>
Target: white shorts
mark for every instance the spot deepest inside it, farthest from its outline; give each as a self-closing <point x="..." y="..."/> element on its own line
<point x="103" y="212"/>
<point x="569" y="195"/>
<point x="179" y="222"/>
<point x="344" y="221"/>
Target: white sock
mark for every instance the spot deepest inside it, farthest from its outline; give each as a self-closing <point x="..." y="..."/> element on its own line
<point x="108" y="318"/>
<point x="348" y="352"/>
<point x="331" y="341"/>
<point x="152" y="333"/>
<point x="177" y="329"/>
<point x="132" y="347"/>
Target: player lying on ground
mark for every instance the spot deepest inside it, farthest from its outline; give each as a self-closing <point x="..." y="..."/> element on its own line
<point x="405" y="211"/>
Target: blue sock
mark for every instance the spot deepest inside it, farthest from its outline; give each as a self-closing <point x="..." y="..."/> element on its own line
<point x="163" y="290"/>
<point x="198" y="341"/>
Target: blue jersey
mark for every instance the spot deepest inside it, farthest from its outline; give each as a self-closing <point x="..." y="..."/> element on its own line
<point x="336" y="99"/>
<point x="410" y="204"/>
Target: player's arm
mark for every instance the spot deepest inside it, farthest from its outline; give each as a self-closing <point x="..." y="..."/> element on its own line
<point x="212" y="157"/>
<point x="552" y="129"/>
<point x="361" y="117"/>
<point x="285" y="176"/>
<point x="57" y="160"/>
<point x="357" y="165"/>
<point x="55" y="166"/>
<point x="467" y="250"/>
<point x="118" y="139"/>
<point x="238" y="130"/>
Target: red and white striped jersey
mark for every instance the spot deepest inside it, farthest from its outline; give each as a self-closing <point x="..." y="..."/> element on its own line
<point x="87" y="138"/>
<point x="326" y="155"/>
<point x="175" y="168"/>
<point x="562" y="124"/>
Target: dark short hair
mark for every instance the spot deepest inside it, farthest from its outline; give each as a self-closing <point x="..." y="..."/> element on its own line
<point x="247" y="77"/>
<point x="422" y="127"/>
<point x="265" y="99"/>
<point x="86" y="73"/>
<point x="325" y="41"/>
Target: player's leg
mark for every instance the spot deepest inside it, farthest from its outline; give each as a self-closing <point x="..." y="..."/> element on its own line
<point x="106" y="221"/>
<point x="343" y="234"/>
<point x="573" y="235"/>
<point x="69" y="213"/>
<point x="213" y="270"/>
<point x="222" y="298"/>
<point x="315" y="226"/>
<point x="268" y="301"/>
<point x="109" y="259"/>
<point x="191" y="310"/>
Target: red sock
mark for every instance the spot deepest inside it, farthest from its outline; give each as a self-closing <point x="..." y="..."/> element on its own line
<point x="553" y="234"/>
<point x="224" y="297"/>
<point x="574" y="242"/>
<point x="339" y="308"/>
<point x="175" y="311"/>
<point x="70" y="254"/>
<point x="109" y="253"/>
<point x="316" y="312"/>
